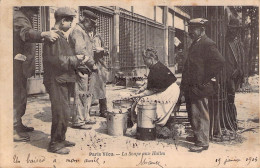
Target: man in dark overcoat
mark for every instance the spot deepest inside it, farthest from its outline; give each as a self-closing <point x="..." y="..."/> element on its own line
<point x="203" y="63"/>
<point x="24" y="39"/>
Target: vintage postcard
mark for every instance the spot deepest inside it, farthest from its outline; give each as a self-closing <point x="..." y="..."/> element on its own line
<point x="129" y="84"/>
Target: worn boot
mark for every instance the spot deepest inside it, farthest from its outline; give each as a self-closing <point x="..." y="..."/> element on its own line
<point x="23" y="128"/>
<point x="103" y="107"/>
<point x="18" y="137"/>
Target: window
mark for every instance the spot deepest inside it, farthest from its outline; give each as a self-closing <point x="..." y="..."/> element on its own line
<point x="179" y="23"/>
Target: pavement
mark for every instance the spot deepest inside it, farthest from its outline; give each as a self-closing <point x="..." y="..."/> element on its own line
<point x="92" y="143"/>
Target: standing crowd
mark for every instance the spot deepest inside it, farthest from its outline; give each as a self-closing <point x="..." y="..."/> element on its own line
<point x="74" y="66"/>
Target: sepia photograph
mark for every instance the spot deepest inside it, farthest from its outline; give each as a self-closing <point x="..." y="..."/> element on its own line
<point x="134" y="86"/>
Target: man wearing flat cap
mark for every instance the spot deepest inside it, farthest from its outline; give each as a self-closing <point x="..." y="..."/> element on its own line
<point x="24" y="39"/>
<point x="81" y="42"/>
<point x="59" y="64"/>
<point x="203" y="63"/>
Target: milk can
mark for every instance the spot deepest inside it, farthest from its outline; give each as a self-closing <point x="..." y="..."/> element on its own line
<point x="145" y="121"/>
<point x="117" y="123"/>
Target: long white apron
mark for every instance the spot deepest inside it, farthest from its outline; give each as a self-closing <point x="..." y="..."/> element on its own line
<point x="166" y="101"/>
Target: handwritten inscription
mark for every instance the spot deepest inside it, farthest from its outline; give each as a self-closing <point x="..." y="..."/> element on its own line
<point x="94" y="157"/>
<point x="16" y="159"/>
<point x="72" y="160"/>
<point x="228" y="160"/>
<point x="30" y="159"/>
<point x="95" y="160"/>
<point x="144" y="162"/>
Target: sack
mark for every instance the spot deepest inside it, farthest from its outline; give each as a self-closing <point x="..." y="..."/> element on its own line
<point x="204" y="90"/>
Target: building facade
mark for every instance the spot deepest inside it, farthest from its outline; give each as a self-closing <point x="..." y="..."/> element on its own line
<point x="126" y="31"/>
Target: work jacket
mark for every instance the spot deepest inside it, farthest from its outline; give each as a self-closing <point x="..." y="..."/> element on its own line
<point x="82" y="44"/>
<point x="59" y="62"/>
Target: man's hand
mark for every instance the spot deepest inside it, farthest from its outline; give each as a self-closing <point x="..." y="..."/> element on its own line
<point x="80" y="57"/>
<point x="98" y="49"/>
<point x="20" y="57"/>
<point x="50" y="35"/>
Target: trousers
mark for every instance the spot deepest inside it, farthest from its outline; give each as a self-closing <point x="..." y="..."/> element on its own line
<point x="83" y="94"/>
<point x="199" y="118"/>
<point x="60" y="98"/>
<point x="232" y="111"/>
<point x="19" y="93"/>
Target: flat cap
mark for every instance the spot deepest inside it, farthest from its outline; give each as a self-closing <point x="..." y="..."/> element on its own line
<point x="90" y="15"/>
<point x="64" y="11"/>
<point x="197" y="22"/>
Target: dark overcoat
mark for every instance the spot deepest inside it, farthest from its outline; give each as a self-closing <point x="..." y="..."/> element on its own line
<point x="204" y="62"/>
<point x="24" y="37"/>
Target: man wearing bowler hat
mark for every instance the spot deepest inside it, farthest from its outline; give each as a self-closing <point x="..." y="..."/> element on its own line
<point x="203" y="63"/>
<point x="81" y="42"/>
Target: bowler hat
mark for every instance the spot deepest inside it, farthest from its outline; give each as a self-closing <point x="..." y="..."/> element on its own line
<point x="88" y="14"/>
<point x="64" y="11"/>
<point x="197" y="22"/>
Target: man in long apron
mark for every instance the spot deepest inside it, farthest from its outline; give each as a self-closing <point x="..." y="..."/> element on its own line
<point x="81" y="42"/>
<point x="204" y="62"/>
<point x="100" y="76"/>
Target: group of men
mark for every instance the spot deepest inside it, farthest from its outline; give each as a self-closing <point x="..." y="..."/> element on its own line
<point x="73" y="66"/>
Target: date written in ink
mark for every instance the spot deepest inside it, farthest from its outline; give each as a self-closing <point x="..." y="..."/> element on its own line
<point x="227" y="160"/>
